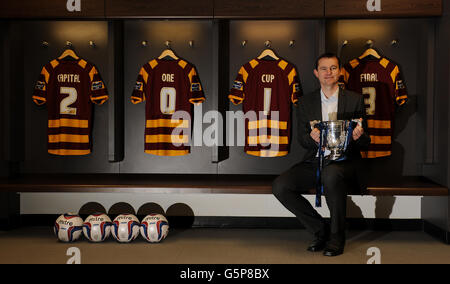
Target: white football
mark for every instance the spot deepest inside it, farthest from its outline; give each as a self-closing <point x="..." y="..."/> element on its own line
<point x="68" y="227"/>
<point x="154" y="228"/>
<point x="97" y="227"/>
<point x="125" y="228"/>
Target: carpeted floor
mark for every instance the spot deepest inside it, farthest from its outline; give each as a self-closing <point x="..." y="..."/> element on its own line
<point x="223" y="246"/>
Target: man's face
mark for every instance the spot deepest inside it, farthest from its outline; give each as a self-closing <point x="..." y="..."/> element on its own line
<point x="328" y="71"/>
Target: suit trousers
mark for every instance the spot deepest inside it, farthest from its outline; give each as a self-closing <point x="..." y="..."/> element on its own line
<point x="337" y="179"/>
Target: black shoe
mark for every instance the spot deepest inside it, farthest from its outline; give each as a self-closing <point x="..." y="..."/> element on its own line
<point x="333" y="249"/>
<point x="320" y="240"/>
<point x="317" y="244"/>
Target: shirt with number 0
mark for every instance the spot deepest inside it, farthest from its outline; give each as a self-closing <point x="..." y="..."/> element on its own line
<point x="168" y="87"/>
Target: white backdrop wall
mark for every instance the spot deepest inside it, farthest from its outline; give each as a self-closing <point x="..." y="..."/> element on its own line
<point x="242" y="205"/>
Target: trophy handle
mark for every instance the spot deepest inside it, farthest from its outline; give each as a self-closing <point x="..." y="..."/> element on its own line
<point x="315" y="124"/>
<point x="357" y="121"/>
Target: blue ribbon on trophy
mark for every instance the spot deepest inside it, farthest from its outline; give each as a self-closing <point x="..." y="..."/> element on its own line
<point x="335" y="137"/>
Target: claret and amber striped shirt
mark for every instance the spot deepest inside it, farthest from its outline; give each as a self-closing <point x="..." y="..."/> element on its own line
<point x="380" y="82"/>
<point x="267" y="88"/>
<point x="68" y="88"/>
<point x="167" y="87"/>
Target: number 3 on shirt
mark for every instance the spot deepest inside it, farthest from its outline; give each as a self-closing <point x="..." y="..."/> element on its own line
<point x="370" y="101"/>
<point x="67" y="101"/>
<point x="167" y="98"/>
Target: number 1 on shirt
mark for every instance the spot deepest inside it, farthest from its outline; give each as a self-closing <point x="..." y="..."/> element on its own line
<point x="267" y="100"/>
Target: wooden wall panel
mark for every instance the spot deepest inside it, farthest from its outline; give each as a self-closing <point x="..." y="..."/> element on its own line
<point x="232" y="9"/>
<point x="179" y="33"/>
<point x="306" y="37"/>
<point x="3" y="72"/>
<point x="158" y="8"/>
<point x="29" y="122"/>
<point x="268" y="9"/>
<point x="414" y="56"/>
<point x="387" y="8"/>
<point x="51" y="9"/>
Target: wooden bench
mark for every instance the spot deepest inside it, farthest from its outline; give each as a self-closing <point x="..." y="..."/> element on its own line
<point x="162" y="183"/>
<point x="225" y="184"/>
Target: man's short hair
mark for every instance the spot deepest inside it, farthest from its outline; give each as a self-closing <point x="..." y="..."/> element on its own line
<point x="328" y="55"/>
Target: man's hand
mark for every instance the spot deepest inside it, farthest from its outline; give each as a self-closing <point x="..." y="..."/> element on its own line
<point x="315" y="135"/>
<point x="358" y="131"/>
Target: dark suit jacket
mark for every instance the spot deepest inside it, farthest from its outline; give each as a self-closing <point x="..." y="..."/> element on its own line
<point x="350" y="106"/>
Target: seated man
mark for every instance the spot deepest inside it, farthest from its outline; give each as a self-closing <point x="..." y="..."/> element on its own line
<point x="328" y="103"/>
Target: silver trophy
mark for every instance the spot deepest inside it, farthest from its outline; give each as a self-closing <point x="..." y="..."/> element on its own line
<point x="335" y="136"/>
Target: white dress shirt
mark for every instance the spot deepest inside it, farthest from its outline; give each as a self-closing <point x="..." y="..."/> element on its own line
<point x="329" y="110"/>
<point x="329" y="106"/>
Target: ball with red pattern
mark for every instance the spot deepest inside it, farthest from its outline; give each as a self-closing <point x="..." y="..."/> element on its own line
<point x="154" y="228"/>
<point x="68" y="227"/>
<point x="97" y="227"/>
<point x="125" y="228"/>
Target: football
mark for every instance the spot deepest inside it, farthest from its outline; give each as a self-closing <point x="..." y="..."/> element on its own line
<point x="97" y="227"/>
<point x="125" y="228"/>
<point x="154" y="228"/>
<point x="68" y="227"/>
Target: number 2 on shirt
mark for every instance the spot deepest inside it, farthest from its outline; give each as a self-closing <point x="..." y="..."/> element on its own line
<point x="67" y="101"/>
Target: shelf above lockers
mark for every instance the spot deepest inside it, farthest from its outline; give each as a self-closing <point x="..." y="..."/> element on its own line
<point x="50" y="9"/>
<point x="382" y="9"/>
<point x="268" y="9"/>
<point x="219" y="9"/>
<point x="159" y="8"/>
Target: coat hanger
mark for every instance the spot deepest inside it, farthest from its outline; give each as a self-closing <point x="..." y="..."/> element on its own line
<point x="268" y="53"/>
<point x="168" y="54"/>
<point x="370" y="52"/>
<point x="68" y="52"/>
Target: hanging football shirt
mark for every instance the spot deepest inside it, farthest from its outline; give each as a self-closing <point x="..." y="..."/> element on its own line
<point x="167" y="86"/>
<point x="267" y="88"/>
<point x="381" y="84"/>
<point x="68" y="88"/>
